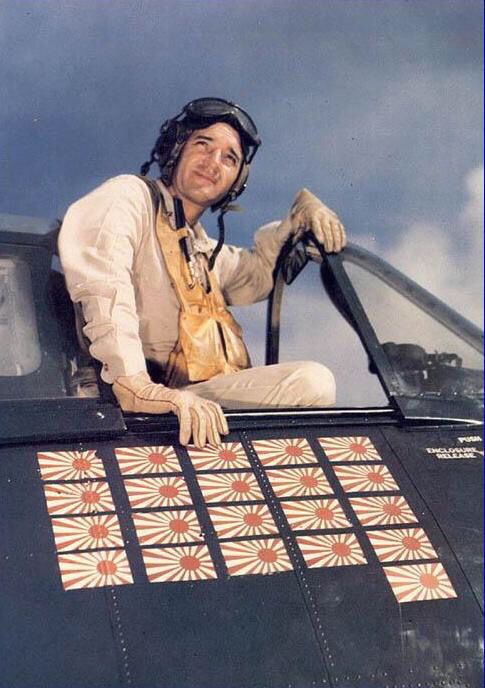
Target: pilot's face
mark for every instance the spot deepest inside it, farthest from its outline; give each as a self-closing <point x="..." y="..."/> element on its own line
<point x="208" y="165"/>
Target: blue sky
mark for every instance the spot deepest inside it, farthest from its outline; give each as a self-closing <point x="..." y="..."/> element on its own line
<point x="375" y="105"/>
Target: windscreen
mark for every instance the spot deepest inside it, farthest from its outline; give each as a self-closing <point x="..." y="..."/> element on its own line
<point x="20" y="352"/>
<point x="312" y="329"/>
<point x="40" y="357"/>
<point x="428" y="358"/>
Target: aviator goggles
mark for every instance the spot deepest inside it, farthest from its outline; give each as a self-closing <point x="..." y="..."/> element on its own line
<point x="223" y="110"/>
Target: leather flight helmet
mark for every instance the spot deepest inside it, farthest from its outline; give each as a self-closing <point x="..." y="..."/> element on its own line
<point x="199" y="114"/>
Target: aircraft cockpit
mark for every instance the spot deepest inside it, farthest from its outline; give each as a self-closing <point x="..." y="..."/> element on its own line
<point x="392" y="346"/>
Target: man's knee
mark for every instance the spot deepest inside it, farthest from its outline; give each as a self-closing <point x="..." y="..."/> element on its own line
<point x="316" y="384"/>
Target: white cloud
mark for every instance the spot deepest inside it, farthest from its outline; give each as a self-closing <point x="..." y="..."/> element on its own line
<point x="472" y="214"/>
<point x="448" y="263"/>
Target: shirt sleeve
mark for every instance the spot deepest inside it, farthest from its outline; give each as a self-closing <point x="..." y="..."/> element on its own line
<point x="246" y="275"/>
<point x="98" y="242"/>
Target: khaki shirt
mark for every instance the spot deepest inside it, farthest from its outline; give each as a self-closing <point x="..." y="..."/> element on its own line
<point x="114" y="268"/>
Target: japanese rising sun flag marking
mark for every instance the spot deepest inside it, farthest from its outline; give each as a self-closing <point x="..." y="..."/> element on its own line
<point x="178" y="564"/>
<point x="78" y="498"/>
<point x="167" y="527"/>
<point x="224" y="455"/>
<point x="70" y="465"/>
<point x="229" y="487"/>
<point x="94" y="569"/>
<point x="299" y="482"/>
<point x="255" y="556"/>
<point x="284" y="452"/>
<point x="235" y="521"/>
<point x="349" y="449"/>
<point x="143" y="460"/>
<point x="152" y="492"/>
<point x="380" y="511"/>
<point x="315" y="514"/>
<point x="418" y="582"/>
<point x="399" y="545"/>
<point x="370" y="478"/>
<point x="87" y="532"/>
<point x="331" y="550"/>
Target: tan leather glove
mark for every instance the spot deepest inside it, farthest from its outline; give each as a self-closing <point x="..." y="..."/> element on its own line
<point x="201" y="418"/>
<point x="309" y="214"/>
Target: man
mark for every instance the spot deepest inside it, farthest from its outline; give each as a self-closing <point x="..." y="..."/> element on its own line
<point x="152" y="292"/>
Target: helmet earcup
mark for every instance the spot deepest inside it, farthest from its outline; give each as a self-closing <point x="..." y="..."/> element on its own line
<point x="241" y="181"/>
<point x="236" y="189"/>
<point x="169" y="133"/>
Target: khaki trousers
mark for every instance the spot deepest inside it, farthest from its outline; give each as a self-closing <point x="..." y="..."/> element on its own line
<point x="295" y="383"/>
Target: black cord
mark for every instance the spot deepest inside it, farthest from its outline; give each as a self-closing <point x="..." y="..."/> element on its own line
<point x="220" y="241"/>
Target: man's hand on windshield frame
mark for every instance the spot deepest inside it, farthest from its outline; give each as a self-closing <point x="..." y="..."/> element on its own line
<point x="309" y="214"/>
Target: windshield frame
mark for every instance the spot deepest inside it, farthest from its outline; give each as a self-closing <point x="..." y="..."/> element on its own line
<point x="338" y="286"/>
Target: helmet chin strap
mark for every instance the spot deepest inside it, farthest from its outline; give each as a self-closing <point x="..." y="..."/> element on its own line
<point x="220" y="241"/>
<point x="239" y="182"/>
<point x="222" y="230"/>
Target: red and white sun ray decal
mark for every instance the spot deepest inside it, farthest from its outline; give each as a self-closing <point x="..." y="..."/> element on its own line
<point x="255" y="557"/>
<point x="349" y="449"/>
<point x="331" y="550"/>
<point x="78" y="498"/>
<point x="382" y="511"/>
<point x="70" y="465"/>
<point x="178" y="564"/>
<point x="284" y="452"/>
<point x="370" y="478"/>
<point x="87" y="532"/>
<point x="236" y="521"/>
<point x="229" y="487"/>
<point x="146" y="460"/>
<point x="94" y="569"/>
<point x="418" y="582"/>
<point x="401" y="545"/>
<point x="315" y="514"/>
<point x="167" y="527"/>
<point x="151" y="492"/>
<point x="299" y="482"/>
<point x="224" y="455"/>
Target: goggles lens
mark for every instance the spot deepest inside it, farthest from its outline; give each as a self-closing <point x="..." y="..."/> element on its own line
<point x="217" y="107"/>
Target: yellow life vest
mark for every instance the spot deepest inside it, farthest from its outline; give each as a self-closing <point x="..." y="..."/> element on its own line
<point x="210" y="340"/>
